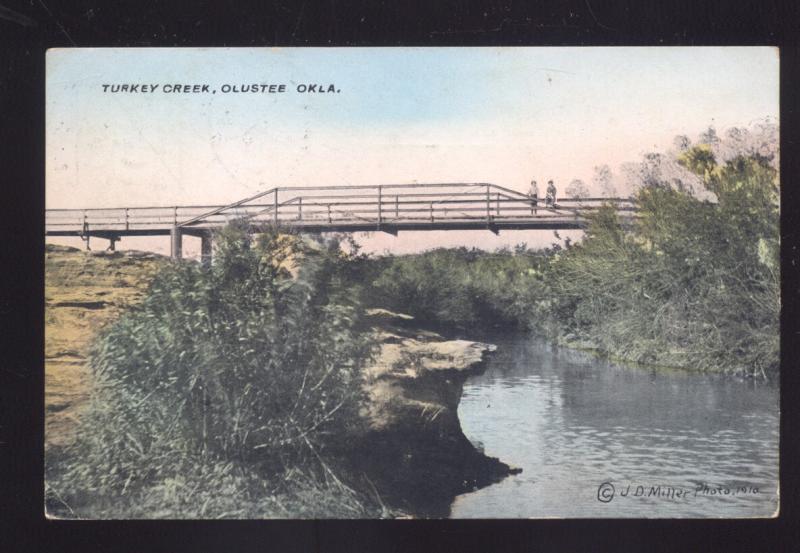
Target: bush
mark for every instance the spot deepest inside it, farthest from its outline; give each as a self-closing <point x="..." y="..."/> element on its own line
<point x="693" y="284"/>
<point x="226" y="386"/>
<point x="461" y="287"/>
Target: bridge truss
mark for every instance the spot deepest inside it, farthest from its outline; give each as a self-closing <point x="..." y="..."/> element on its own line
<point x="388" y="208"/>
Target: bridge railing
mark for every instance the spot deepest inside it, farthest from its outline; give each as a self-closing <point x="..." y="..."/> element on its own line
<point x="399" y="203"/>
<point x="126" y="218"/>
<point x="318" y="207"/>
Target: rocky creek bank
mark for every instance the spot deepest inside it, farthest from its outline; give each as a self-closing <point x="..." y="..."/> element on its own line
<point x="415" y="450"/>
<point x="411" y="449"/>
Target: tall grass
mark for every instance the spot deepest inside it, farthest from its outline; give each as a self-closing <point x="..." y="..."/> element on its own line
<point x="226" y="391"/>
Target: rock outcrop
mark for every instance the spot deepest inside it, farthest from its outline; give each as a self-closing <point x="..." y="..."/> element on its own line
<point x="411" y="446"/>
<point x="414" y="449"/>
<point x="83" y="292"/>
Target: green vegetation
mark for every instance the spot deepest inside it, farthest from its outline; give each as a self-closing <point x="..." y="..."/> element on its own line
<point x="194" y="413"/>
<point x="692" y="284"/>
<point x="461" y="287"/>
<point x="232" y="390"/>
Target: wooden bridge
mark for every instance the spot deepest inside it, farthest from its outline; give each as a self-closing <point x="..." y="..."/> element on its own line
<point x="388" y="208"/>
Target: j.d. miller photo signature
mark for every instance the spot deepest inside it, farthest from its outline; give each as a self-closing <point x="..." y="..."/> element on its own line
<point x="606" y="491"/>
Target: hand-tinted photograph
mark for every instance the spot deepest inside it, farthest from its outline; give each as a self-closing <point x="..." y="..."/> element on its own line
<point x="304" y="283"/>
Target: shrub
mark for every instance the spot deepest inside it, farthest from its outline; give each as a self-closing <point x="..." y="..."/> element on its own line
<point x="693" y="284"/>
<point x="226" y="384"/>
<point x="461" y="287"/>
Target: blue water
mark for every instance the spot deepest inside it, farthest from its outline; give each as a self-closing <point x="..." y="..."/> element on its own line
<point x="698" y="445"/>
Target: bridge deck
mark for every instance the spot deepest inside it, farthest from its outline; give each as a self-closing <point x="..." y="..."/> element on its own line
<point x="389" y="208"/>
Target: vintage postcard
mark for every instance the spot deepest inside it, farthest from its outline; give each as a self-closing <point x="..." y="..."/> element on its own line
<point x="412" y="283"/>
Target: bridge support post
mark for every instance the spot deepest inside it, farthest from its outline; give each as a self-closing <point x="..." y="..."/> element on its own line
<point x="380" y="206"/>
<point x="176" y="242"/>
<point x="205" y="249"/>
<point x="85" y="232"/>
<point x="488" y="206"/>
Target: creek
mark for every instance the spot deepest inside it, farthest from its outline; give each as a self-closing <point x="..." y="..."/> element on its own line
<point x="596" y="439"/>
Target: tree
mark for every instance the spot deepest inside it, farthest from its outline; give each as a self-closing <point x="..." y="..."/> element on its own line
<point x="577" y="189"/>
<point x="709" y="137"/>
<point x="694" y="282"/>
<point x="603" y="180"/>
<point x="682" y="143"/>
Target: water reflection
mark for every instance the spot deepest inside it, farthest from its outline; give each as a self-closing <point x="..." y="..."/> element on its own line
<point x="573" y="422"/>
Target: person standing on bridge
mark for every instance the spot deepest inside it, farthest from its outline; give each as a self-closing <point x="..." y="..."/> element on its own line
<point x="533" y="194"/>
<point x="550" y="197"/>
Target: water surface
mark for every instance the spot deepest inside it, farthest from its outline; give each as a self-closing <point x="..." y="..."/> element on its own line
<point x="661" y="444"/>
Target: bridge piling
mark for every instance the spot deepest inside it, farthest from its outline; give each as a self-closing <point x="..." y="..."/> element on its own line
<point x="176" y="242"/>
<point x="85" y="230"/>
<point x="205" y="249"/>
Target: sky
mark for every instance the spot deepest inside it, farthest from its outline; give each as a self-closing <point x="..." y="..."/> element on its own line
<point x="398" y="115"/>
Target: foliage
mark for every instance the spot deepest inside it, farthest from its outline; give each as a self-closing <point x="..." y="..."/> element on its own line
<point x="230" y="390"/>
<point x="603" y="181"/>
<point x="694" y="284"/>
<point x="224" y="380"/>
<point x="462" y="287"/>
<point x="577" y="189"/>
